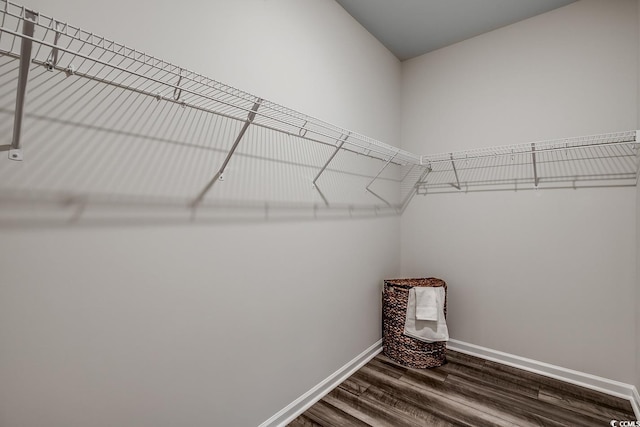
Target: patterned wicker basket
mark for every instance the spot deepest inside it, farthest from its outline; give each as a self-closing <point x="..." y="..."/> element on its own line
<point x="403" y="349"/>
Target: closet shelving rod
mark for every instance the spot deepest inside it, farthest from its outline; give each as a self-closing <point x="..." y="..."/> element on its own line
<point x="272" y="116"/>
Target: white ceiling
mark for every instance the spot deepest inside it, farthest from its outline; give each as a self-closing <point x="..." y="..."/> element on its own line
<point x="410" y="28"/>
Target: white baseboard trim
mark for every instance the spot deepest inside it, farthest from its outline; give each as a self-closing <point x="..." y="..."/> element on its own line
<point x="301" y="404"/>
<point x="635" y="402"/>
<point x="593" y="382"/>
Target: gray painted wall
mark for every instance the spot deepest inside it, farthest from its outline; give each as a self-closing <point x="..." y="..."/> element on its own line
<point x="548" y="275"/>
<point x="219" y="324"/>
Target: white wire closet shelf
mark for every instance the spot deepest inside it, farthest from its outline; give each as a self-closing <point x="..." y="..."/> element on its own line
<point x="97" y="121"/>
<point x="56" y="66"/>
<point x="82" y="53"/>
<point x="590" y="161"/>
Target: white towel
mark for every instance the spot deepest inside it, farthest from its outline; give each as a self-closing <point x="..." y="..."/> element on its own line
<point x="426" y="303"/>
<point x="426" y="330"/>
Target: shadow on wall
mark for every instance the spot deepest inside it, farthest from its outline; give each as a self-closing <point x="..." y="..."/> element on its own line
<point x="46" y="210"/>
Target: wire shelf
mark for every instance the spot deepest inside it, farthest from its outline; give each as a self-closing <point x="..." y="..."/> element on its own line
<point x="64" y="48"/>
<point x="96" y="98"/>
<point x="597" y="160"/>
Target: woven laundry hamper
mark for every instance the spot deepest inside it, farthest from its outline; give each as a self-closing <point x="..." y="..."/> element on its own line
<point x="406" y="350"/>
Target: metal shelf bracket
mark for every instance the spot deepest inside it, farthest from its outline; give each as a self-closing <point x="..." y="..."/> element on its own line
<point x="52" y="60"/>
<point x="218" y="176"/>
<point x="28" y="25"/>
<point x="536" y="180"/>
<point x="455" y="172"/>
<point x="339" y="143"/>
<point x="415" y="188"/>
<point x="376" y="177"/>
<point x="177" y="91"/>
<point x="303" y="130"/>
<point x="637" y="147"/>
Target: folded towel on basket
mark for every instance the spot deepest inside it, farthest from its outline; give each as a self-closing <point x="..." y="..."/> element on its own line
<point x="426" y="330"/>
<point x="426" y="303"/>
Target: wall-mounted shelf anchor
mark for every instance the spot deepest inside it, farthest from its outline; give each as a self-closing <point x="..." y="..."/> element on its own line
<point x="15" y="154"/>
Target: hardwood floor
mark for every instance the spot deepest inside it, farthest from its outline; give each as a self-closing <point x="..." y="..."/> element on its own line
<point x="467" y="391"/>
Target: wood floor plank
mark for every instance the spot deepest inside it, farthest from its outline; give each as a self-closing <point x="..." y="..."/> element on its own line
<point x="409" y="412"/>
<point x="390" y="369"/>
<point x="569" y="402"/>
<point x="504" y="381"/>
<point x="354" y="386"/>
<point x="329" y="416"/>
<point x="466" y="391"/>
<point x="476" y="399"/>
<point x="562" y="387"/>
<point x="590" y="397"/>
<point x="549" y="414"/>
<point x="436" y="374"/>
<point x="303" y="421"/>
<point x="450" y="410"/>
<point x="383" y="414"/>
<point x="359" y="411"/>
<point x="465" y="359"/>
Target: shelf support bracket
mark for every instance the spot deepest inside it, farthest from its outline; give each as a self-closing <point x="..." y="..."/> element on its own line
<point x="455" y="172"/>
<point x="177" y="91"/>
<point x="52" y="61"/>
<point x="218" y="176"/>
<point x="536" y="180"/>
<point x="340" y="143"/>
<point x="637" y="147"/>
<point x="414" y="190"/>
<point x="28" y="25"/>
<point x="303" y="130"/>
<point x="376" y="177"/>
